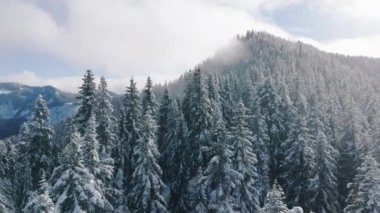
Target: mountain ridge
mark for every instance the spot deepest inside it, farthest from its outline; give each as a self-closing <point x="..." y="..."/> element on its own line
<point x="249" y="45"/>
<point x="248" y="54"/>
<point x="17" y="102"/>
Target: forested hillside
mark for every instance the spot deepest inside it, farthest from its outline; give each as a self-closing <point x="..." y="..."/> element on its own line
<point x="266" y="125"/>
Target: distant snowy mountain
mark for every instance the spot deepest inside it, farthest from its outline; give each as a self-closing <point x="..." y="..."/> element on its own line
<point x="17" y="101"/>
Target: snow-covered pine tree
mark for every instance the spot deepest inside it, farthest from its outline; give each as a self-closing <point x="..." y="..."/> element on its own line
<point x="149" y="100"/>
<point x="323" y="196"/>
<point x="105" y="135"/>
<point x="39" y="149"/>
<point x="186" y="102"/>
<point x="104" y="117"/>
<point x="132" y="110"/>
<point x="87" y="100"/>
<point x="74" y="188"/>
<point x="23" y="170"/>
<point x="146" y="184"/>
<point x="121" y="158"/>
<point x="274" y="202"/>
<point x="351" y="147"/>
<point x="176" y="169"/>
<point x="260" y="142"/>
<point x="7" y="196"/>
<point x="314" y="117"/>
<point x="99" y="164"/>
<point x="244" y="161"/>
<point x="106" y="175"/>
<point x="40" y="201"/>
<point x="90" y="146"/>
<point x="288" y="111"/>
<point x="220" y="179"/>
<point x="163" y="117"/>
<point x="227" y="101"/>
<point x="197" y="108"/>
<point x="9" y="180"/>
<point x="332" y="124"/>
<point x="364" y="193"/>
<point x="175" y="139"/>
<point x="213" y="94"/>
<point x="194" y="199"/>
<point x="299" y="163"/>
<point x="375" y="135"/>
<point x="270" y="108"/>
<point x="120" y="152"/>
<point x="128" y="134"/>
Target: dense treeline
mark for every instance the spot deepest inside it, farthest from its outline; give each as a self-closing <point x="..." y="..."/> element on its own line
<point x="280" y="126"/>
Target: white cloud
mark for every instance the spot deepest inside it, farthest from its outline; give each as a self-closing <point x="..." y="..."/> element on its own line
<point x="161" y="38"/>
<point x="25" y="27"/>
<point x="127" y="38"/>
<point x="349" y="18"/>
<point x="353" y="9"/>
<point x="358" y="46"/>
<point x="257" y="7"/>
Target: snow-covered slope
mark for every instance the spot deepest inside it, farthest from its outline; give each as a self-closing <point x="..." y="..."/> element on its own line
<point x="17" y="102"/>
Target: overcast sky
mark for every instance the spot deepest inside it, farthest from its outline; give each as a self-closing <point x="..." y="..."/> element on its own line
<point x="45" y="42"/>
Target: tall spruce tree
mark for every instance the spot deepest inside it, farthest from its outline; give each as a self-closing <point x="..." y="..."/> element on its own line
<point x="121" y="156"/>
<point x="220" y="179"/>
<point x="105" y="120"/>
<point x="364" y="193"/>
<point x="23" y="171"/>
<point x="244" y="161"/>
<point x="197" y="112"/>
<point x="187" y="99"/>
<point x="90" y="146"/>
<point x="175" y="142"/>
<point x="288" y="113"/>
<point x="87" y="100"/>
<point x="270" y="105"/>
<point x="106" y="137"/>
<point x="9" y="179"/>
<point x="163" y="117"/>
<point x="197" y="108"/>
<point x="332" y="124"/>
<point x="149" y="100"/>
<point x="351" y="149"/>
<point x="323" y="196"/>
<point x="214" y="96"/>
<point x="39" y="147"/>
<point x="74" y="188"/>
<point x="375" y="135"/>
<point x="120" y="152"/>
<point x="100" y="165"/>
<point x="315" y="118"/>
<point x="299" y="162"/>
<point x="227" y="101"/>
<point x="286" y="104"/>
<point x="323" y="191"/>
<point x="146" y="184"/>
<point x="176" y="165"/>
<point x="260" y="142"/>
<point x="132" y="110"/>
